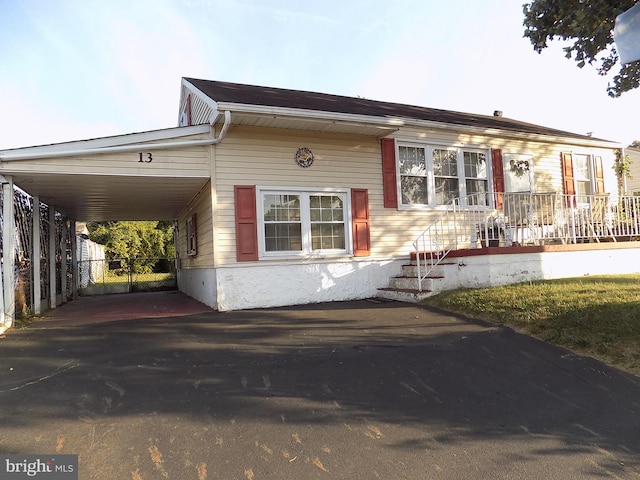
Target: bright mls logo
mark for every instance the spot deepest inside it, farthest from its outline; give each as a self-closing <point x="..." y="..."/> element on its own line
<point x="58" y="467"/>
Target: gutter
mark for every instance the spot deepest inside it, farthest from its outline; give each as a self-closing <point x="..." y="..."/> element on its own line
<point x="212" y="140"/>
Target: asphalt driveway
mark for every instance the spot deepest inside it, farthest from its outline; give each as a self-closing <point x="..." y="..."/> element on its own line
<point x="350" y="390"/>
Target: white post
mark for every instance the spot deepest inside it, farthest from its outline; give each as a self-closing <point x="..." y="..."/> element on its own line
<point x="8" y="252"/>
<point x="35" y="258"/>
<point x="52" y="257"/>
<point x="63" y="260"/>
<point x="74" y="259"/>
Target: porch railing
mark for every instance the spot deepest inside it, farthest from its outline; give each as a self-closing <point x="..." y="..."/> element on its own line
<point x="505" y="219"/>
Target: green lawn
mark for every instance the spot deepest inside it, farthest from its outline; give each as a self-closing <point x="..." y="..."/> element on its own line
<point x="594" y="315"/>
<point x="112" y="279"/>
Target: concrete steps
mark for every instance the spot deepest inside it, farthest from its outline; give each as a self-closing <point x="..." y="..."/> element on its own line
<point x="406" y="295"/>
<point x="404" y="287"/>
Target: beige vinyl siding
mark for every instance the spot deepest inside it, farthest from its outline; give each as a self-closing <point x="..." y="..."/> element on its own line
<point x="265" y="157"/>
<point x="547" y="165"/>
<point x="201" y="206"/>
<point x="608" y="161"/>
<point x="633" y="183"/>
<point x="183" y="162"/>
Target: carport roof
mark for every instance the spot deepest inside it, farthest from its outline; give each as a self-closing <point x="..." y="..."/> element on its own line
<point x="84" y="195"/>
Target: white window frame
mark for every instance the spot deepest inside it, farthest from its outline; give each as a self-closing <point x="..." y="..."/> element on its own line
<point x="305" y="194"/>
<point x="577" y="178"/>
<point x="430" y="175"/>
<point x="192" y="235"/>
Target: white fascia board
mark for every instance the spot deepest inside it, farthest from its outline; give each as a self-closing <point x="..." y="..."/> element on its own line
<point x="106" y="143"/>
<point x="398" y="122"/>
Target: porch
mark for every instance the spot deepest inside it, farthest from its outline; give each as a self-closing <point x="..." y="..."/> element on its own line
<point x="513" y="237"/>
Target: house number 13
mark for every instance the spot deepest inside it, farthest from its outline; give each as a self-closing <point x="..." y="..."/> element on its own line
<point x="147" y="159"/>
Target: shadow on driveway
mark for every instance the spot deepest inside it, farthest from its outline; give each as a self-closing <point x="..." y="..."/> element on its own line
<point x="357" y="390"/>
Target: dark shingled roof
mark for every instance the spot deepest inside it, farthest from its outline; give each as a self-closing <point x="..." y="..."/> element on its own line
<point x="279" y="97"/>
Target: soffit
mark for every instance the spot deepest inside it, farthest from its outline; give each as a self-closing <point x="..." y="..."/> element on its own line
<point x="316" y="125"/>
<point x="91" y="180"/>
<point x="111" y="197"/>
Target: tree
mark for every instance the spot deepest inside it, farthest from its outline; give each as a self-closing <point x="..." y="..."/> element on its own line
<point x="589" y="25"/>
<point x="134" y="240"/>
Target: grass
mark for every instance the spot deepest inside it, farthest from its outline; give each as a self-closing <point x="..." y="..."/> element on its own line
<point x="113" y="279"/>
<point x="598" y="316"/>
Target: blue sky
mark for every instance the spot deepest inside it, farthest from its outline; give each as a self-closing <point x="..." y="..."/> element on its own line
<point x="77" y="69"/>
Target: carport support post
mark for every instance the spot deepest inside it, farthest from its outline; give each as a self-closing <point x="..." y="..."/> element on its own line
<point x="35" y="255"/>
<point x="8" y="252"/>
<point x="63" y="259"/>
<point x="52" y="257"/>
<point x="74" y="259"/>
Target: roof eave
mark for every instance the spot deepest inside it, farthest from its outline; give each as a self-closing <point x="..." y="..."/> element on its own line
<point x="203" y="96"/>
<point x="103" y="143"/>
<point x="395" y="123"/>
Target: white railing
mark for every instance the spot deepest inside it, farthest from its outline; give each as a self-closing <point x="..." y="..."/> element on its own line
<point x="507" y="219"/>
<point x="464" y="221"/>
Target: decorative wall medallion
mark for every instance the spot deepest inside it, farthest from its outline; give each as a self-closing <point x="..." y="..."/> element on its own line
<point x="304" y="157"/>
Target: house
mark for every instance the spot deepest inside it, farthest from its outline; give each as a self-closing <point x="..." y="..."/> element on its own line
<point x="320" y="197"/>
<point x="632" y="183"/>
<point x="285" y="197"/>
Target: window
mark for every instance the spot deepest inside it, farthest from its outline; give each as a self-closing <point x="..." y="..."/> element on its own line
<point x="327" y="222"/>
<point x="445" y="171"/>
<point x="475" y="172"/>
<point x="413" y="175"/>
<point x="436" y="175"/>
<point x="282" y="223"/>
<point x="582" y="175"/>
<point x="296" y="223"/>
<point x="192" y="236"/>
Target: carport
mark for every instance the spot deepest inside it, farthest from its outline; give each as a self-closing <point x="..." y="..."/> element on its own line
<point x="141" y="176"/>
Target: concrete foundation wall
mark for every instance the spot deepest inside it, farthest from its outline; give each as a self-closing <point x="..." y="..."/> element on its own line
<point x="478" y="271"/>
<point x="199" y="283"/>
<point x="272" y="285"/>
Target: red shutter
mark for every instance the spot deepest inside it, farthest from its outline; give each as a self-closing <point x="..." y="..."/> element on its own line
<point x="389" y="184"/>
<point x="498" y="175"/>
<point x="246" y="223"/>
<point x="568" y="183"/>
<point x="360" y="219"/>
<point x="599" y="175"/>
<point x="567" y="174"/>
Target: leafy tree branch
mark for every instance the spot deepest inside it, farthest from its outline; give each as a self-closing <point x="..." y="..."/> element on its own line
<point x="587" y="27"/>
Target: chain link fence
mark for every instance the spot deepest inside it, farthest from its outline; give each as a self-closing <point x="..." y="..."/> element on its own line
<point x="124" y="275"/>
